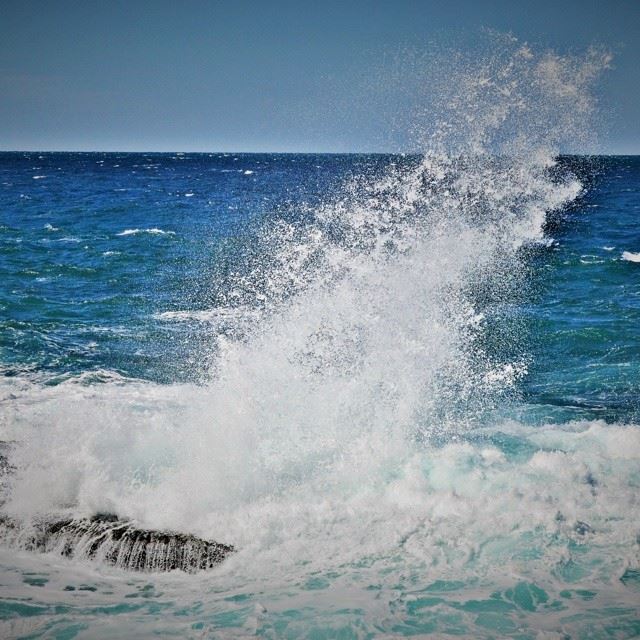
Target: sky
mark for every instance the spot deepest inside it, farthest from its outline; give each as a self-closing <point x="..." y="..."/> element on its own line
<point x="268" y="75"/>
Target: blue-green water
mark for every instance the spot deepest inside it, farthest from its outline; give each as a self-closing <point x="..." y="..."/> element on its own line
<point x="586" y="316"/>
<point x="411" y="414"/>
<point x="431" y="433"/>
<point x="101" y="253"/>
<point x="94" y="246"/>
<point x="403" y="387"/>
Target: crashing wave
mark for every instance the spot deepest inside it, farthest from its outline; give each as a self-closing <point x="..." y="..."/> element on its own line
<point x="375" y="313"/>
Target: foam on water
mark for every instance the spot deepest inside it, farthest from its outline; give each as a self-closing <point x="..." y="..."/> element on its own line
<point x="152" y="231"/>
<point x="347" y="444"/>
<point x="629" y="256"/>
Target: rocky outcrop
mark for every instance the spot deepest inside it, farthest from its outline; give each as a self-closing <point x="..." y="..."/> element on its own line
<point x="107" y="538"/>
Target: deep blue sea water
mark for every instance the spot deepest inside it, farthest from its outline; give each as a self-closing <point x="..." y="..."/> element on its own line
<point x="97" y="247"/>
<point x="407" y="389"/>
<point x="94" y="246"/>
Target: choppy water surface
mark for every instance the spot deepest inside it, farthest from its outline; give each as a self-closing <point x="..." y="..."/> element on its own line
<point x="405" y="388"/>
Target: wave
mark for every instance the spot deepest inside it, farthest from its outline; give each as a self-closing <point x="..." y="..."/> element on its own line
<point x="152" y="231"/>
<point x="630" y="257"/>
<point x="345" y="419"/>
<point x="460" y="508"/>
<point x="214" y="316"/>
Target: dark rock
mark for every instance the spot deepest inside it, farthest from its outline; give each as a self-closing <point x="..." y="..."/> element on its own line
<point x="106" y="538"/>
<point x="582" y="528"/>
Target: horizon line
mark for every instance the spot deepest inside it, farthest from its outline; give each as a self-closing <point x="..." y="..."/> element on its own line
<point x="317" y="153"/>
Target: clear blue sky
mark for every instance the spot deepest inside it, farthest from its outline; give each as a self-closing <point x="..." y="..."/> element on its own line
<point x="264" y="74"/>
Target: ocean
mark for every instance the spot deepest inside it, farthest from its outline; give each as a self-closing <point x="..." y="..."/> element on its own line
<point x="405" y="388"/>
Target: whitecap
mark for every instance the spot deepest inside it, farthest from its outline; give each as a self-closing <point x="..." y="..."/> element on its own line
<point x="631" y="257"/>
<point x="590" y="259"/>
<point x="38" y="177"/>
<point x="248" y="172"/>
<point x="208" y="315"/>
<point x="50" y="227"/>
<point x="153" y="231"/>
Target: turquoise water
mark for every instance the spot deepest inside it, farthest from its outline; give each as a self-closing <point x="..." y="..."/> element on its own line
<point x="404" y="387"/>
<point x="99" y="252"/>
<point x="588" y="312"/>
<point x="514" y="515"/>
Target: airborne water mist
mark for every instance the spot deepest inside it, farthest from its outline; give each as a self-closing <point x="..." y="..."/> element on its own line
<point x="347" y="433"/>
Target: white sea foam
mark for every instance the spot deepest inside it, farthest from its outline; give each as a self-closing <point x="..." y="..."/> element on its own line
<point x="312" y="506"/>
<point x="50" y="227"/>
<point x="208" y="315"/>
<point x="364" y="346"/>
<point x="591" y="259"/>
<point x="338" y="444"/>
<point x="630" y="257"/>
<point x="152" y="231"/>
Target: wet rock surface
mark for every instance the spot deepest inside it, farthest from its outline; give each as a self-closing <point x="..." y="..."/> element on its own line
<point x="107" y="538"/>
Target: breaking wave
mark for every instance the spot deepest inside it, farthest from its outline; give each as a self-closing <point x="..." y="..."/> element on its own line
<point x="351" y="426"/>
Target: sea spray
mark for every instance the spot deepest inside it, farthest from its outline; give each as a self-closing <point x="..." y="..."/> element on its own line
<point x="368" y="331"/>
<point x="343" y="444"/>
